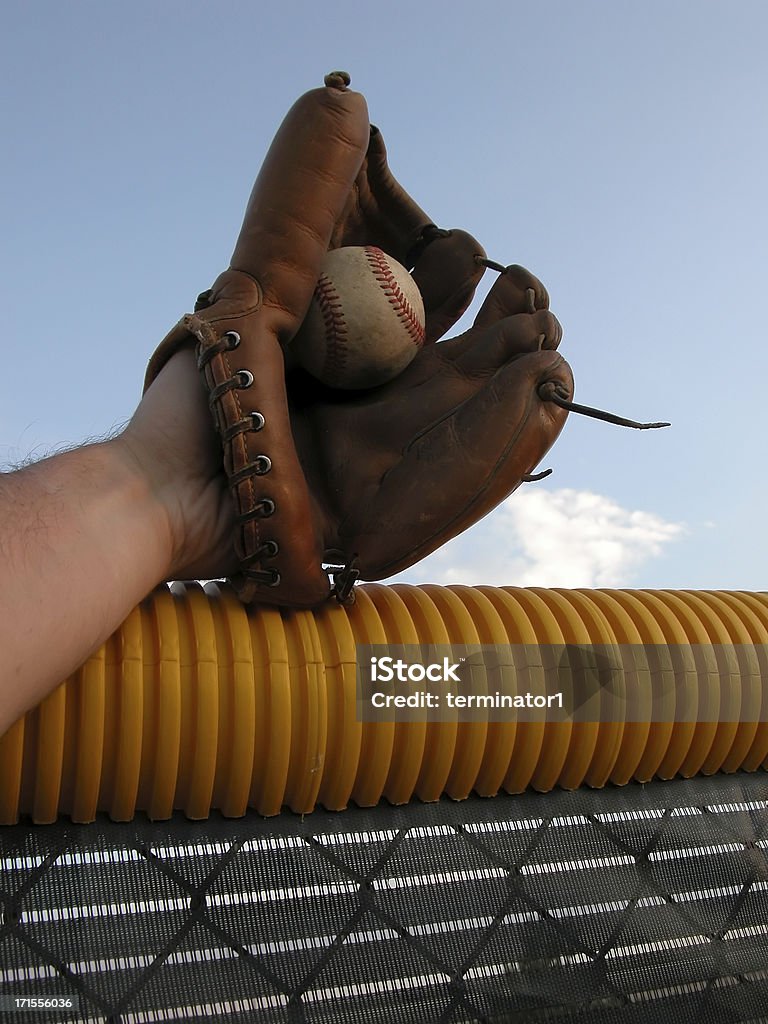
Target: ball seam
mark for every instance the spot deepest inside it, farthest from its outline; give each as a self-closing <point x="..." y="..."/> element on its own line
<point x="405" y="312"/>
<point x="332" y="311"/>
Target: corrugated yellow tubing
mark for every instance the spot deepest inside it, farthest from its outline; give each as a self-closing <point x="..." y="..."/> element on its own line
<point x="198" y="703"/>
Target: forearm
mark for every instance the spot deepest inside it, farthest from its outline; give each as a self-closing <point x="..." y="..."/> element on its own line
<point x="82" y="540"/>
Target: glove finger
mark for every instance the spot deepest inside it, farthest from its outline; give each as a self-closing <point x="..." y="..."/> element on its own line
<point x="379" y="211"/>
<point x="460" y="468"/>
<point x="447" y="273"/>
<point x="515" y="291"/>
<point x="483" y="351"/>
<point x="299" y="196"/>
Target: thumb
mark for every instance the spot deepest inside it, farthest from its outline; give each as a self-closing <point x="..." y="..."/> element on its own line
<point x="299" y="195"/>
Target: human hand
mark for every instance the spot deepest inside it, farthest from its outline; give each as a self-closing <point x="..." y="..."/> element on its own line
<point x="172" y="442"/>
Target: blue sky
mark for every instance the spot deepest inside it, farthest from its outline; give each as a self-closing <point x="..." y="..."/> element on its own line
<point x="619" y="150"/>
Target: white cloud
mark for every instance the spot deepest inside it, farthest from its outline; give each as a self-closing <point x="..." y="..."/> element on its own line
<point x="562" y="538"/>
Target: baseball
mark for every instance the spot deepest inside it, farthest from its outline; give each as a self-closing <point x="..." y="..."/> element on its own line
<point x="365" y="323"/>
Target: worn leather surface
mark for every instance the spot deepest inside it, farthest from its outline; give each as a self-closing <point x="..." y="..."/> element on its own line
<point x="382" y="476"/>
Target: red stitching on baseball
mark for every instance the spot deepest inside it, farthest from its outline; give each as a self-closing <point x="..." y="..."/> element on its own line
<point x="332" y="312"/>
<point x="406" y="314"/>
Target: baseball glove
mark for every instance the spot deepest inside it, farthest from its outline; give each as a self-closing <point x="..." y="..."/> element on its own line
<point x="370" y="481"/>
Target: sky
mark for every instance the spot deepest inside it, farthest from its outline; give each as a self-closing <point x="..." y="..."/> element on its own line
<point x="618" y="149"/>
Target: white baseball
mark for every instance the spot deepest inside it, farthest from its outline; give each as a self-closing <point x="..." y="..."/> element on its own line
<point x="365" y="323"/>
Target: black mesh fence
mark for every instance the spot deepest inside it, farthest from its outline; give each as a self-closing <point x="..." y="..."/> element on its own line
<point x="645" y="903"/>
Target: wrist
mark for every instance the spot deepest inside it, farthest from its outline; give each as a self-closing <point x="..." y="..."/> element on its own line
<point x="145" y="485"/>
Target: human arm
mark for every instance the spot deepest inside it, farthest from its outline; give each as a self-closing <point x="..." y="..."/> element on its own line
<point x="86" y="534"/>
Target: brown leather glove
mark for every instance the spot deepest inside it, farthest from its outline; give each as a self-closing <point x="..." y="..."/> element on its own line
<point x="372" y="480"/>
